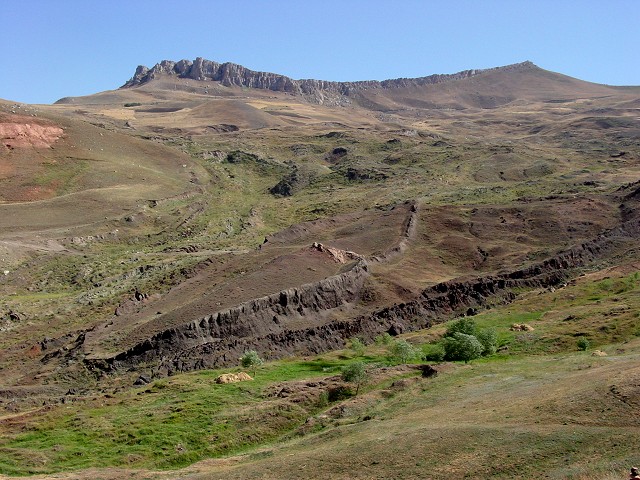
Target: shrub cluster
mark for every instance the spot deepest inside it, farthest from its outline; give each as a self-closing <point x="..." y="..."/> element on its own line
<point x="463" y="340"/>
<point x="401" y="351"/>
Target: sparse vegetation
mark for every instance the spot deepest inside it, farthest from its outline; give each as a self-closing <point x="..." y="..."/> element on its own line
<point x="356" y="345"/>
<point x="356" y="373"/>
<point x="197" y="216"/>
<point x="251" y="360"/>
<point x="384" y="339"/>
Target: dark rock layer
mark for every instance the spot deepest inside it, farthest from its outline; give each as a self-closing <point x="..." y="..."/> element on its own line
<point x="262" y="324"/>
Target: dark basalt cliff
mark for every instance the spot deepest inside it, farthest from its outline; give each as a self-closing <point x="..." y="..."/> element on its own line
<point x="268" y="324"/>
<point x="230" y="74"/>
<point x="257" y="318"/>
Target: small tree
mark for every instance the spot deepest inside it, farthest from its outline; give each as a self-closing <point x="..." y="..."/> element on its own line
<point x="357" y="346"/>
<point x="355" y="373"/>
<point x="402" y="351"/>
<point x="464" y="325"/>
<point x="461" y="346"/>
<point x="251" y="359"/>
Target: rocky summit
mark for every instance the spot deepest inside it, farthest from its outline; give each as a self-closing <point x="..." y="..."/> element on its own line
<point x="231" y="74"/>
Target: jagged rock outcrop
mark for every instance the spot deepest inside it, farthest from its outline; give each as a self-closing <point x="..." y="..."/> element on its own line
<point x="254" y="319"/>
<point x="338" y="255"/>
<point x="264" y="324"/>
<point x="231" y="74"/>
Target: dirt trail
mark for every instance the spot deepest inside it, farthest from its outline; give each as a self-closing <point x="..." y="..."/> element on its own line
<point x="46" y="245"/>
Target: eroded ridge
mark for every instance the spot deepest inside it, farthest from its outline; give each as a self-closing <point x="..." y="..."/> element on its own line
<point x="239" y="325"/>
<point x="268" y="324"/>
<point x="408" y="232"/>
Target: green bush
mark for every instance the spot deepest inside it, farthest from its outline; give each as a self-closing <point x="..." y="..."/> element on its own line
<point x="433" y="352"/>
<point x="238" y="156"/>
<point x="355" y="373"/>
<point x="464" y="325"/>
<point x="489" y="340"/>
<point x="384" y="339"/>
<point x="132" y="104"/>
<point x="251" y="359"/>
<point x="461" y="346"/>
<point x="402" y="351"/>
<point x="583" y="343"/>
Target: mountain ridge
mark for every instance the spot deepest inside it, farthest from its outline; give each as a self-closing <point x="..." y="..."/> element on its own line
<point x="231" y="74"/>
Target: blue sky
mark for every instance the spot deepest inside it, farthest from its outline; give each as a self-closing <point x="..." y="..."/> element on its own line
<point x="58" y="48"/>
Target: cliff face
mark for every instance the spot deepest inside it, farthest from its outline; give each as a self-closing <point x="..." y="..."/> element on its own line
<point x="230" y="329"/>
<point x="268" y="324"/>
<point x="230" y="74"/>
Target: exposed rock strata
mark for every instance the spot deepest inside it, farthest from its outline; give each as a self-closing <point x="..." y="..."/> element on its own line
<point x="254" y="319"/>
<point x="221" y="338"/>
<point x="230" y="74"/>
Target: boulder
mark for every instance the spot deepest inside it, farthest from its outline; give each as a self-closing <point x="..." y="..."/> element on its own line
<point x="142" y="380"/>
<point x="428" y="371"/>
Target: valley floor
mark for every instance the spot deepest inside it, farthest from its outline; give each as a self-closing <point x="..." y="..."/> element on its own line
<point x="570" y="415"/>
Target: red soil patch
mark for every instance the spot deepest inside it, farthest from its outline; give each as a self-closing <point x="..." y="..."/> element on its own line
<point x="20" y="132"/>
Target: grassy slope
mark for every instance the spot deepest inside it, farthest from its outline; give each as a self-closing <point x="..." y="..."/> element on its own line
<point x="559" y="414"/>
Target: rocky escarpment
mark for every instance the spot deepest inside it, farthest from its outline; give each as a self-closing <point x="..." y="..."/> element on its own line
<point x="230" y="74"/>
<point x="629" y="195"/>
<point x="253" y="319"/>
<point x="268" y="324"/>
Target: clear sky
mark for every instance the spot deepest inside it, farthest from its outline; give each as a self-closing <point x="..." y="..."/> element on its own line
<point x="57" y="48"/>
